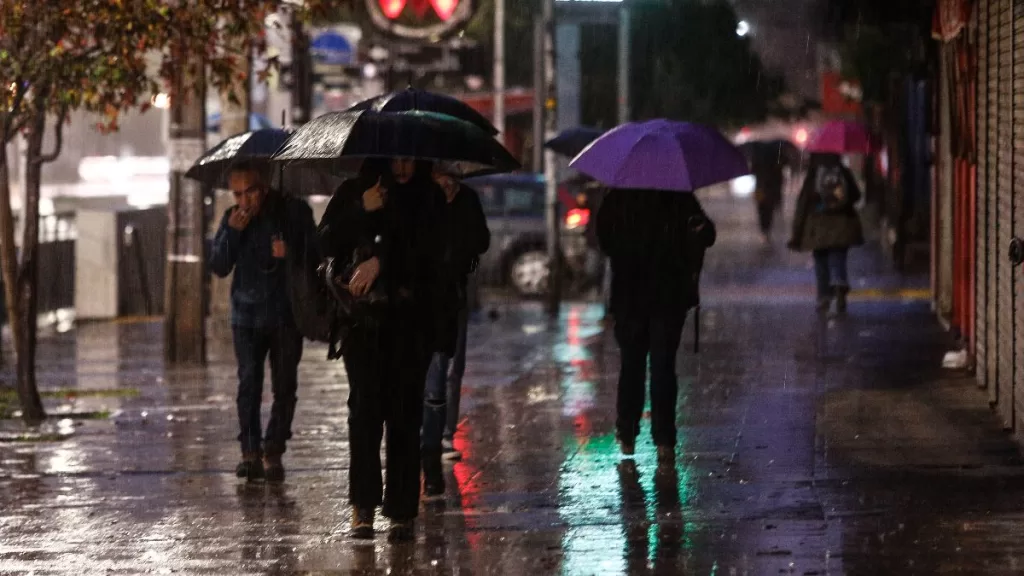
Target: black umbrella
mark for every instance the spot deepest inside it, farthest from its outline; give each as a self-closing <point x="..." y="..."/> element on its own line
<point x="771" y="152"/>
<point x="258" y="146"/>
<point x="338" y="142"/>
<point x="571" y="142"/>
<point x="413" y="99"/>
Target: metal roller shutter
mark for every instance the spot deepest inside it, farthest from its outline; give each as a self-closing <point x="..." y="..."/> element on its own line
<point x="980" y="24"/>
<point x="1005" y="206"/>
<point x="992" y="141"/>
<point x="1018" y="209"/>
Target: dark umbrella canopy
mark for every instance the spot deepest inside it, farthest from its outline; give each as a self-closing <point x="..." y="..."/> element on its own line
<point x="571" y="142"/>
<point x="213" y="167"/>
<point x="338" y="142"/>
<point x="771" y="152"/>
<point x="413" y="99"/>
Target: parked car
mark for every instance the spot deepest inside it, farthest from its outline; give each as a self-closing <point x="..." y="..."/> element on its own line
<point x="514" y="206"/>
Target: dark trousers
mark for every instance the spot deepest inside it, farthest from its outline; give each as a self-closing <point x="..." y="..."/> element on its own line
<point x="444" y="390"/>
<point x="386" y="369"/>
<point x="765" y="216"/>
<point x="283" y="344"/>
<point x="830" y="271"/>
<point x="642" y="334"/>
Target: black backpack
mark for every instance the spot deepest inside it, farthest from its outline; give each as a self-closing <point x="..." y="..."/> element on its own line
<point x="830" y="185"/>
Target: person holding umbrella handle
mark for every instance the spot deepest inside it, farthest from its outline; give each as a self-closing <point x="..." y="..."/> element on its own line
<point x="383" y="225"/>
<point x="252" y="242"/>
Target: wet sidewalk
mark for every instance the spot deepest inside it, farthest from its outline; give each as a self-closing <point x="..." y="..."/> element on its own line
<point x="807" y="446"/>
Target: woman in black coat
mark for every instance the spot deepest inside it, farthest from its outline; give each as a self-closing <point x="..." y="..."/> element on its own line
<point x="384" y="223"/>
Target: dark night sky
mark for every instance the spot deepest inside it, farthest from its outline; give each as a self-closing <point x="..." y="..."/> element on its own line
<point x="786" y="34"/>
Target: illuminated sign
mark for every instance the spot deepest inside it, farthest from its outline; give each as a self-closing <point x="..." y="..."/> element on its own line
<point x="420" y="19"/>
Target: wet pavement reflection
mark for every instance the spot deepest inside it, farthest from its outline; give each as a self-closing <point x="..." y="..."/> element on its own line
<point x="807" y="445"/>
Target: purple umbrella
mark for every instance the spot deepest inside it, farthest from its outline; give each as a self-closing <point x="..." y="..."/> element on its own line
<point x="661" y="155"/>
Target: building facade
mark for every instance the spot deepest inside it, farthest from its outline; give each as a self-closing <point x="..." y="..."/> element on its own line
<point x="979" y="191"/>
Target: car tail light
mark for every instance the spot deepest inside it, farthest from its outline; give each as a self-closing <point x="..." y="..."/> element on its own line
<point x="577" y="218"/>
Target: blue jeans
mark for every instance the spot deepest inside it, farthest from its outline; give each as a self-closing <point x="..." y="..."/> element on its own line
<point x="444" y="390"/>
<point x="830" y="270"/>
<point x="283" y="344"/>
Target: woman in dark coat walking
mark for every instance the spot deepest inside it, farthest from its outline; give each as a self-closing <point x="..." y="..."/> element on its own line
<point x="826" y="223"/>
<point x="384" y="224"/>
<point x="656" y="242"/>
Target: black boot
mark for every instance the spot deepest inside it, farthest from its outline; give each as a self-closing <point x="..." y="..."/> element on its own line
<point x="433" y="476"/>
<point x="841" y="292"/>
<point x="824" y="301"/>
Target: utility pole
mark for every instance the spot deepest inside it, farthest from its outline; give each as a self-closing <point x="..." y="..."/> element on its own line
<point x="499" y="67"/>
<point x="624" y="55"/>
<point x="550" y="173"/>
<point x="184" y="325"/>
<point x="302" y="75"/>
<point x="539" y="96"/>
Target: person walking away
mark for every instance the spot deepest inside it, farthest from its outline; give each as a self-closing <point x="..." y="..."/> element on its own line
<point x="253" y="240"/>
<point x="656" y="242"/>
<point x="383" y="224"/>
<point x="826" y="223"/>
<point x="466" y="238"/>
<point x="767" y="171"/>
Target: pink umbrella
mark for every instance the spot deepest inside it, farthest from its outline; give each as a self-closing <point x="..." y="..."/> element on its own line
<point x="840" y="137"/>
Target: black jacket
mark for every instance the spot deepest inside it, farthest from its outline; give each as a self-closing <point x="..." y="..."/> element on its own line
<point x="466" y="235"/>
<point x="403" y="235"/>
<point x="656" y="252"/>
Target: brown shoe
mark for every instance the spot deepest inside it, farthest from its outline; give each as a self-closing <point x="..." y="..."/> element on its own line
<point x="362" y="523"/>
<point x="251" y="467"/>
<point x="273" y="469"/>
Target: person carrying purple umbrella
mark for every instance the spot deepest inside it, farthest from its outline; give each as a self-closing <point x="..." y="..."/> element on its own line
<point x="826" y="224"/>
<point x="655" y="233"/>
<point x="656" y="241"/>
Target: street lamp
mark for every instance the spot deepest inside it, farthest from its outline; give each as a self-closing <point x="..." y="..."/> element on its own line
<point x="742" y="28"/>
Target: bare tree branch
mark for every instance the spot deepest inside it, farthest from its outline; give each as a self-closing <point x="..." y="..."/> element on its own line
<point x="58" y="132"/>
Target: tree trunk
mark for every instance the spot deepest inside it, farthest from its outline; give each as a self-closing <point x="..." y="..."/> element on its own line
<point x="24" y="346"/>
<point x="26" y="297"/>
<point x="8" y="256"/>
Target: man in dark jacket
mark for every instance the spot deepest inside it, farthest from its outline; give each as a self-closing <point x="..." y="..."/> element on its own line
<point x="656" y="242"/>
<point x="466" y="238"/>
<point x="253" y="241"/>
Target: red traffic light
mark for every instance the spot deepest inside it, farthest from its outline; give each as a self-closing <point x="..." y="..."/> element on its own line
<point x="392" y="8"/>
<point x="444" y="9"/>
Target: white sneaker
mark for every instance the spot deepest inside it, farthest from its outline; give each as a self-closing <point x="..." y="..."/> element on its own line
<point x="448" y="451"/>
